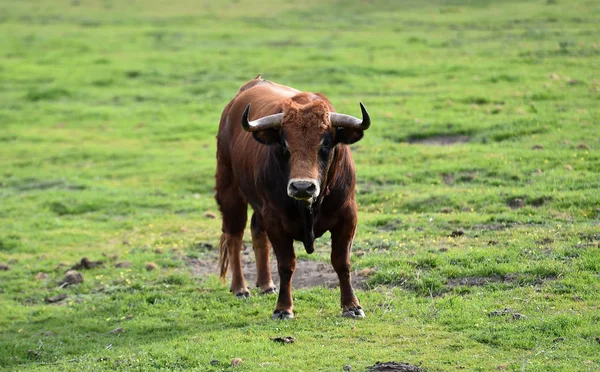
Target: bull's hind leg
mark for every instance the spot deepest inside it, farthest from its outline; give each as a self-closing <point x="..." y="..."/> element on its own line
<point x="342" y="237"/>
<point x="261" y="246"/>
<point x="234" y="210"/>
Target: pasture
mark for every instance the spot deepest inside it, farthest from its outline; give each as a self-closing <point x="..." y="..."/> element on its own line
<point x="478" y="246"/>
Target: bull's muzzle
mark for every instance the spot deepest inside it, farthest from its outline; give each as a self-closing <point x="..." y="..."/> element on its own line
<point x="303" y="189"/>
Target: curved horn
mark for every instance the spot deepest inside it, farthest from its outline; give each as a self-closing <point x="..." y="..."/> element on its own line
<point x="350" y="122"/>
<point x="266" y="122"/>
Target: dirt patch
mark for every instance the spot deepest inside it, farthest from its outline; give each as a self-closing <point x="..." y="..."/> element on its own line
<point x="516" y="203"/>
<point x="391" y="225"/>
<point x="394" y="366"/>
<point x="440" y="140"/>
<point x="492" y="226"/>
<point x="504" y="279"/>
<point x="31" y="184"/>
<point x="480" y="280"/>
<point x="308" y="274"/>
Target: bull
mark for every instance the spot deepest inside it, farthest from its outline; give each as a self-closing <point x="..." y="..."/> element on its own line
<point x="285" y="152"/>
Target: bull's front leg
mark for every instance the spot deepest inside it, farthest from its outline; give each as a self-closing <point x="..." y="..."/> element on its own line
<point x="342" y="236"/>
<point x="283" y="247"/>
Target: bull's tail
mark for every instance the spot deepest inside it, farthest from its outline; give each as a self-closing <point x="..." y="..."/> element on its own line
<point x="223" y="258"/>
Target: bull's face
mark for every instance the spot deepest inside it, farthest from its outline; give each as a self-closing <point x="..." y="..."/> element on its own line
<point x="307" y="136"/>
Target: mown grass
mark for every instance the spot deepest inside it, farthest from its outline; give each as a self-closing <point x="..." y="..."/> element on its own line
<point x="108" y="114"/>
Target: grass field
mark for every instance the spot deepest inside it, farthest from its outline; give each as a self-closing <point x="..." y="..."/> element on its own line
<point x="478" y="183"/>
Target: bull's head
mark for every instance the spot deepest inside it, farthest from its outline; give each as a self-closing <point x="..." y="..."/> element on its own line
<point x="307" y="135"/>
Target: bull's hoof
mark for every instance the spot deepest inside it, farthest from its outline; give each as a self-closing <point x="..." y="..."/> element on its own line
<point x="282" y="314"/>
<point x="355" y="312"/>
<point x="242" y="294"/>
<point x="269" y="291"/>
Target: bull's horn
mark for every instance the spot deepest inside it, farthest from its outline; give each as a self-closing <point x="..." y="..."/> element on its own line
<point x="266" y="122"/>
<point x="350" y="122"/>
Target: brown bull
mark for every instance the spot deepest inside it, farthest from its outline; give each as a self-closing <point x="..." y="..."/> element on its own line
<point x="286" y="154"/>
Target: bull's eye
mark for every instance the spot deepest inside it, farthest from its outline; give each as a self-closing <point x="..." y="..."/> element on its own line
<point x="284" y="147"/>
<point x="325" y="145"/>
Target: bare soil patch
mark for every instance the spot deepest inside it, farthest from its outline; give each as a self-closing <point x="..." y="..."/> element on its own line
<point x="440" y="140"/>
<point x="480" y="280"/>
<point x="394" y="366"/>
<point x="308" y="274"/>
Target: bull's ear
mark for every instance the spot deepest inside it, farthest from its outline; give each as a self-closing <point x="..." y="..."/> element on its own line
<point x="267" y="136"/>
<point x="348" y="136"/>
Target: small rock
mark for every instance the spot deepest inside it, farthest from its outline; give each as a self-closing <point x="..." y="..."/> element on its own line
<point x="34" y="353"/>
<point x="209" y="214"/>
<point x="151" y="266"/>
<point x="86" y="264"/>
<point x="504" y="311"/>
<point x="235" y="362"/>
<point x="457" y="233"/>
<point x="118" y="330"/>
<point x="517" y="316"/>
<point x="516" y="203"/>
<point x="284" y="340"/>
<point x="123" y="264"/>
<point x="41" y="276"/>
<point x="4" y="267"/>
<point x="72" y="277"/>
<point x="57" y="298"/>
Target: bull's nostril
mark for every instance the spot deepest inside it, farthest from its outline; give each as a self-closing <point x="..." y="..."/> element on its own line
<point x="302" y="189"/>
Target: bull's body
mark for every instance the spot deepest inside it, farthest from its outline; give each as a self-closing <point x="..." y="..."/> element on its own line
<point x="250" y="172"/>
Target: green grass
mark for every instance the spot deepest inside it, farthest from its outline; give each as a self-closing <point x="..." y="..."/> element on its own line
<point x="108" y="117"/>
